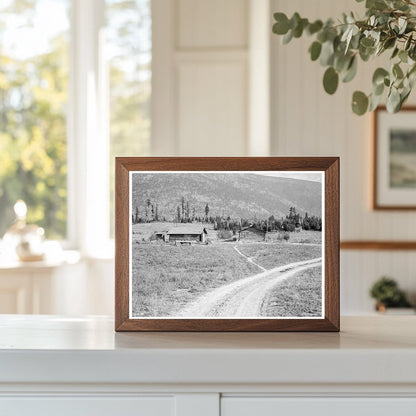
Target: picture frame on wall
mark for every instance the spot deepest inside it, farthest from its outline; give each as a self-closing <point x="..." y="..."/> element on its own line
<point x="227" y="244"/>
<point x="394" y="159"/>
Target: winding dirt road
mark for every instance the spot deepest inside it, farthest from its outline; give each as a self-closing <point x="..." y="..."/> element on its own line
<point x="244" y="298"/>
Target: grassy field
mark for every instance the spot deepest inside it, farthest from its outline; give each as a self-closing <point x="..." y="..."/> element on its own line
<point x="166" y="277"/>
<point x="270" y="255"/>
<point x="310" y="237"/>
<point x="297" y="296"/>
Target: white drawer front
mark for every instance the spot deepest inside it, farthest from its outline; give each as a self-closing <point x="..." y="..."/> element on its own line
<point x="87" y="406"/>
<point x="270" y="406"/>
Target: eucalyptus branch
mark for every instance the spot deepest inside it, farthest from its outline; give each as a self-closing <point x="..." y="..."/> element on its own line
<point x="389" y="25"/>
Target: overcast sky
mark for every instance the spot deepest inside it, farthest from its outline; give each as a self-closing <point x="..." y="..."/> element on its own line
<point x="306" y="176"/>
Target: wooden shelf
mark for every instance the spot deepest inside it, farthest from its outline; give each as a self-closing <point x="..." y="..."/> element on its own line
<point x="378" y="245"/>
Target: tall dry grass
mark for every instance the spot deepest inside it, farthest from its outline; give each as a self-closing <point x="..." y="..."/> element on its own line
<point x="271" y="255"/>
<point x="298" y="296"/>
<point x="166" y="277"/>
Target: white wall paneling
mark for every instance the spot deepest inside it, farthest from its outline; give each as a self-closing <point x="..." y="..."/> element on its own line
<point x="259" y="81"/>
<point x="308" y="122"/>
<point x="212" y="24"/>
<point x="212" y="107"/>
<point x="208" y="100"/>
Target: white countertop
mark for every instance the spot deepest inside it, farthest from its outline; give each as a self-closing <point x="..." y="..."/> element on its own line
<point x="53" y="349"/>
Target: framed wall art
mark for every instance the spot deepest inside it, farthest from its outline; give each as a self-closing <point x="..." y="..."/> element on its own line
<point x="227" y="244"/>
<point x="394" y="159"/>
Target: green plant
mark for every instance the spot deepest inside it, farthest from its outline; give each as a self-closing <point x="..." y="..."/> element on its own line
<point x="386" y="291"/>
<point x="389" y="26"/>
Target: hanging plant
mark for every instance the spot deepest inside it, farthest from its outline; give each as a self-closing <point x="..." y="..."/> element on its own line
<point x="389" y="27"/>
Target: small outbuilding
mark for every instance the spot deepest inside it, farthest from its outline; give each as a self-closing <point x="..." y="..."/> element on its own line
<point x="251" y="233"/>
<point x="186" y="234"/>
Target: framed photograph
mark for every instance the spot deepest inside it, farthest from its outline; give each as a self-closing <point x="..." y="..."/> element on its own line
<point x="227" y="244"/>
<point x="395" y="159"/>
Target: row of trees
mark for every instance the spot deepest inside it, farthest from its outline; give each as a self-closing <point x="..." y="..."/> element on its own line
<point x="185" y="213"/>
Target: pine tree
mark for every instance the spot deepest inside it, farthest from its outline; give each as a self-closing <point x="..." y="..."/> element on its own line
<point x="187" y="210"/>
<point x="206" y="211"/>
<point x="183" y="207"/>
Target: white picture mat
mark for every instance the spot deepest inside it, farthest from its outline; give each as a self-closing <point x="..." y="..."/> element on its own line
<point x="387" y="196"/>
<point x="288" y="174"/>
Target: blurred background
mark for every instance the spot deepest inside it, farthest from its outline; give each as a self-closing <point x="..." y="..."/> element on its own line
<point x="83" y="81"/>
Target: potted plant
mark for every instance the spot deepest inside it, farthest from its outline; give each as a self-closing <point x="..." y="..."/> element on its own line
<point x="389" y="27"/>
<point x="387" y="294"/>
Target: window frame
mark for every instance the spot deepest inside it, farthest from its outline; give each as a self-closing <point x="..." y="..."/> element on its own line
<point x="88" y="133"/>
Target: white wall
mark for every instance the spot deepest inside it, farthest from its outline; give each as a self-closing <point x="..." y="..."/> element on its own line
<point x="203" y="85"/>
<point x="308" y="122"/>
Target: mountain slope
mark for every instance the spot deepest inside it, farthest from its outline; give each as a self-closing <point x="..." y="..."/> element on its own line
<point x="238" y="195"/>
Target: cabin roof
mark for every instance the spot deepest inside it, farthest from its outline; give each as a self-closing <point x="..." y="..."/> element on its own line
<point x="252" y="227"/>
<point x="187" y="229"/>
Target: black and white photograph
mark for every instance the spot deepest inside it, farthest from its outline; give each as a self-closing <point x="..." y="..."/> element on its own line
<point x="226" y="244"/>
<point x="394" y="159"/>
<point x="403" y="158"/>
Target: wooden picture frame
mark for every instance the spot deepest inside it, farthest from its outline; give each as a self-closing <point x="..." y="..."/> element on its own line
<point x="391" y="178"/>
<point x="128" y="167"/>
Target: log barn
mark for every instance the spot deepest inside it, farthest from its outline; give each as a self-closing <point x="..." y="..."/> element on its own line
<point x="251" y="233"/>
<point x="186" y="234"/>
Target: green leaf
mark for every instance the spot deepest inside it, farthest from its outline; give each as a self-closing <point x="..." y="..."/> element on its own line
<point x="395" y="52"/>
<point x="408" y="42"/>
<point x="341" y="62"/>
<point x="403" y="56"/>
<point x="374" y="102"/>
<point x="327" y="53"/>
<point x="322" y="36"/>
<point x="294" y="20"/>
<point x="281" y="27"/>
<point x="378" y="89"/>
<point x="376" y="4"/>
<point x="393" y="101"/>
<point x="314" y="27"/>
<point x="402" y="24"/>
<point x="367" y="42"/>
<point x="298" y="30"/>
<point x="315" y="50"/>
<point x="288" y="37"/>
<point x="404" y="96"/>
<point x="366" y="53"/>
<point x="379" y="75"/>
<point x="359" y="103"/>
<point x="397" y="71"/>
<point x="330" y="80"/>
<point x="351" y="71"/>
<point x="389" y="43"/>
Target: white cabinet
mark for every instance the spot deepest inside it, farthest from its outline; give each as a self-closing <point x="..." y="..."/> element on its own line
<point x="80" y="367"/>
<point x="88" y="406"/>
<point x="270" y="406"/>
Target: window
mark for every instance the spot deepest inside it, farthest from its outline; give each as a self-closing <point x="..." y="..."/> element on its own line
<point x="75" y="87"/>
<point x="33" y="100"/>
<point x="129" y="43"/>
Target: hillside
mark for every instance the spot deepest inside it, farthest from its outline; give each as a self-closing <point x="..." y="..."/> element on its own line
<point x="236" y="195"/>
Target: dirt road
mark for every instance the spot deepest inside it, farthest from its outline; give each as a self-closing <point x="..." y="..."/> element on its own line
<point x="245" y="297"/>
